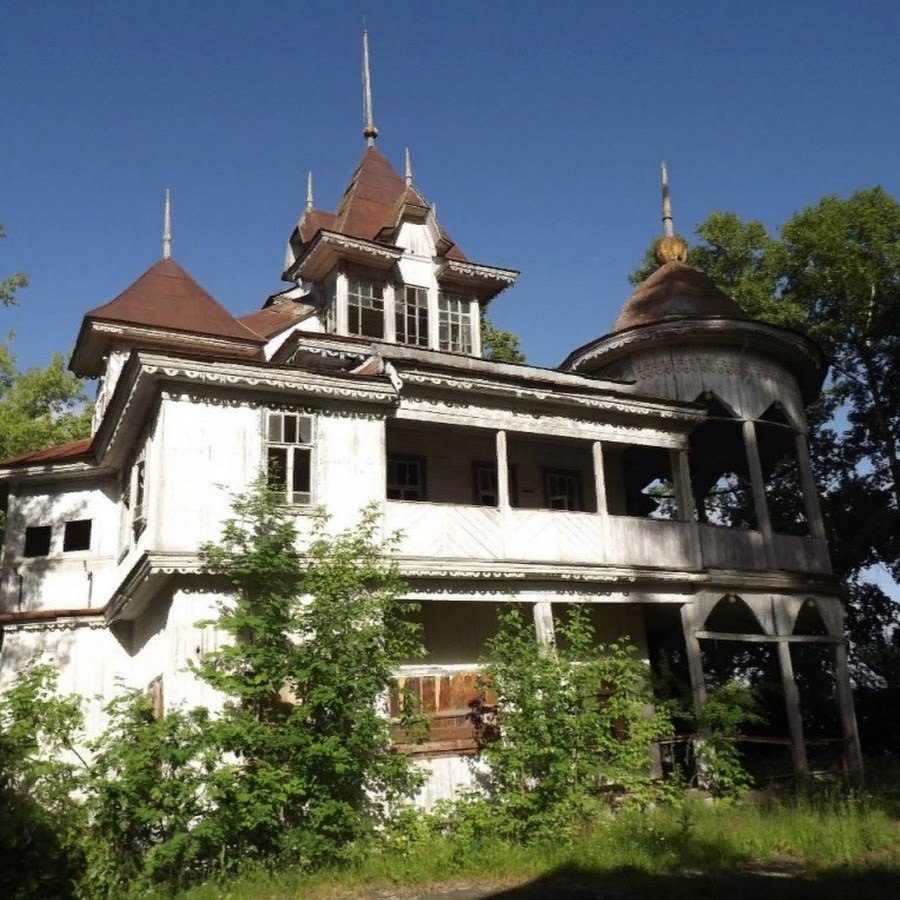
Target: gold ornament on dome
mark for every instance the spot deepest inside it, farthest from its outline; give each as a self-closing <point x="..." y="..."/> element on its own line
<point x="670" y="249"/>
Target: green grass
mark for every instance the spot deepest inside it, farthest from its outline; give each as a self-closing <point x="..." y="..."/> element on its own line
<point x="827" y="843"/>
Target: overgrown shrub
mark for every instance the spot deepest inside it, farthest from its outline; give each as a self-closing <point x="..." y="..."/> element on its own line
<point x="41" y="825"/>
<point x="576" y="725"/>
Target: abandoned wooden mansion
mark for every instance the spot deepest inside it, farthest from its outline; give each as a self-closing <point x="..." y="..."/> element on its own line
<point x="603" y="481"/>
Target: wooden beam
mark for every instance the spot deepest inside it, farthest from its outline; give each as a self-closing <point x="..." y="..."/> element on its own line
<point x="848" y="715"/>
<point x="792" y="707"/>
<point x="769" y="638"/>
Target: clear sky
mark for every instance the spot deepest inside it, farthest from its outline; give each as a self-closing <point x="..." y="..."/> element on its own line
<point x="537" y="127"/>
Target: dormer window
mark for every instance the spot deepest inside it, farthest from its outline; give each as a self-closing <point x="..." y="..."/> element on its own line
<point x="454" y="323"/>
<point x="365" y="307"/>
<point x="412" y="316"/>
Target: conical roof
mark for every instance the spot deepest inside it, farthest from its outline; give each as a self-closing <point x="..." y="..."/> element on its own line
<point x="675" y="290"/>
<point x="370" y="204"/>
<point x="165" y="296"/>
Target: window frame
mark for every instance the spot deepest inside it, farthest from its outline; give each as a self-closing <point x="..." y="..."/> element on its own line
<point x="66" y="535"/>
<point x="455" y="325"/>
<point x="483" y="465"/>
<point x="357" y="305"/>
<point x="419" y="314"/>
<point x="576" y="477"/>
<point x="292" y="449"/>
<point x="34" y="529"/>
<point x="420" y="463"/>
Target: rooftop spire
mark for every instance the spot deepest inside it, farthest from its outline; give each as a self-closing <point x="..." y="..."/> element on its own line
<point x="370" y="132"/>
<point x="408" y="173"/>
<point x="309" y="191"/>
<point x="167" y="228"/>
<point x="668" y="221"/>
<point x="668" y="248"/>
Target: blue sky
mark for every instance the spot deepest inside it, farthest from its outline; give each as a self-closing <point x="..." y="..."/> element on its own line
<point x="537" y="128"/>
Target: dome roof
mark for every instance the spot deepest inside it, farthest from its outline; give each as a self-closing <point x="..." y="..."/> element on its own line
<point x="675" y="290"/>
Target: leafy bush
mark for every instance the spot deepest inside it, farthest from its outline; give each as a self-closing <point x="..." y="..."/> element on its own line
<point x="41" y="825"/>
<point x="576" y="725"/>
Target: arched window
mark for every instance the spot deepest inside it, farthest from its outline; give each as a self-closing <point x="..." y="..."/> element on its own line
<point x="776" y="437"/>
<point x="720" y="477"/>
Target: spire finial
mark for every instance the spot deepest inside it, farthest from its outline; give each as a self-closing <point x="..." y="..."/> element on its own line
<point x="370" y="132"/>
<point x="668" y="248"/>
<point x="167" y="228"/>
<point x="408" y="174"/>
<point x="668" y="221"/>
<point x="309" y="191"/>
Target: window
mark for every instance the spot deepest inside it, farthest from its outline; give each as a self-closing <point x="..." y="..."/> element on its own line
<point x="484" y="484"/>
<point x="563" y="489"/>
<point x="77" y="535"/>
<point x="365" y="308"/>
<point x="412" y="317"/>
<point x="454" y="323"/>
<point x="289" y="456"/>
<point x="405" y="478"/>
<point x="37" y="540"/>
<point x="138" y="497"/>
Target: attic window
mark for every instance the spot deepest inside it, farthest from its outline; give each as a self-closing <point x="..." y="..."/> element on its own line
<point x="37" y="540"/>
<point x="77" y="535"/>
<point x="454" y="323"/>
<point x="412" y="317"/>
<point x="365" y="308"/>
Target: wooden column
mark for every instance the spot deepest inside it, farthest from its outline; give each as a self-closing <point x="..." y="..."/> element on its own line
<point x="599" y="476"/>
<point x="848" y="715"/>
<point x="390" y="310"/>
<point x="502" y="473"/>
<point x="792" y="706"/>
<point x="810" y="491"/>
<point x="543" y="623"/>
<point x="475" y="324"/>
<point x="695" y="660"/>
<point x="681" y="473"/>
<point x="759" y="491"/>
<point x="341" y="317"/>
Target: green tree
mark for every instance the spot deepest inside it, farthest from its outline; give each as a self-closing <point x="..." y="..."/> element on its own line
<point x="40" y="407"/>
<point x="314" y="641"/>
<point x="41" y="825"/>
<point x="10" y="285"/>
<point x="499" y="345"/>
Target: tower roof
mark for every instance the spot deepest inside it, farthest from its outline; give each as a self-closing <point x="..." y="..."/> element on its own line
<point x="164" y="300"/>
<point x="675" y="290"/>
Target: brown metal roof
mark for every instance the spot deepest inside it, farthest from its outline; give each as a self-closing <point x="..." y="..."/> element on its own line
<point x="370" y="204"/>
<point x="676" y="290"/>
<point x="165" y="296"/>
<point x="272" y="320"/>
<point x="53" y="454"/>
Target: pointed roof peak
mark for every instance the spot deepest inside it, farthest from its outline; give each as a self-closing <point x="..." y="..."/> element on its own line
<point x="408" y="175"/>
<point x="309" y="191"/>
<point x="670" y="247"/>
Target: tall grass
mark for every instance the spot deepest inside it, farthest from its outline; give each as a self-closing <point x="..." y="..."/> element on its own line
<point x="817" y="833"/>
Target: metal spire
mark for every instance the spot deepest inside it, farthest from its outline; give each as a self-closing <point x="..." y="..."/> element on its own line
<point x="408" y="169"/>
<point x="167" y="229"/>
<point x="370" y="132"/>
<point x="309" y="191"/>
<point x="668" y="221"/>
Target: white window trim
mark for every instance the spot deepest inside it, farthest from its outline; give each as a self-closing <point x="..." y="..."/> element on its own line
<point x="308" y="447"/>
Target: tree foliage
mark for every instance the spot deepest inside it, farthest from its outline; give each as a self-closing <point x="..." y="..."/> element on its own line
<point x="576" y="723"/>
<point x="498" y="345"/>
<point x="314" y="643"/>
<point x="12" y="284"/>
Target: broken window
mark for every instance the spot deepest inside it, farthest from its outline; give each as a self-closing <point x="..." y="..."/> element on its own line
<point x="77" y="535"/>
<point x="639" y="482"/>
<point x="365" y="307"/>
<point x="405" y="478"/>
<point x="776" y="439"/>
<point x="454" y="323"/>
<point x="720" y="476"/>
<point x="412" y="316"/>
<point x="37" y="540"/>
<point x="289" y="456"/>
